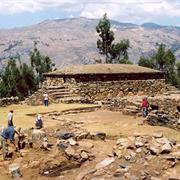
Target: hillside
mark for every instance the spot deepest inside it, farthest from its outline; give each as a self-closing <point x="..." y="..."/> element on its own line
<point x="73" y="41"/>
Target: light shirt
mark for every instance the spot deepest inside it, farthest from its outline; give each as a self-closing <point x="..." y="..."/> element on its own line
<point x="45" y="96"/>
<point x="10" y="119"/>
<point x="10" y="116"/>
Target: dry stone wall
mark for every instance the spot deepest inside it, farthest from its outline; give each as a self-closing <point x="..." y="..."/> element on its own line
<point x="168" y="104"/>
<point x="9" y="100"/>
<point x="100" y="90"/>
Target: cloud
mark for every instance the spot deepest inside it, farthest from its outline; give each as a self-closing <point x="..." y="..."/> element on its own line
<point x="136" y="11"/>
<point x="123" y="10"/>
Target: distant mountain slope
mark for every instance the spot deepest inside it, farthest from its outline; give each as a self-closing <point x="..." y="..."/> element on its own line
<point x="73" y="41"/>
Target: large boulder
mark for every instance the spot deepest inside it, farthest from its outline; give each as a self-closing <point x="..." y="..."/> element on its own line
<point x="64" y="134"/>
<point x="14" y="170"/>
<point x="98" y="135"/>
<point x="38" y="135"/>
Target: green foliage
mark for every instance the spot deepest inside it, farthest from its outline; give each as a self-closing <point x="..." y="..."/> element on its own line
<point x="106" y="36"/>
<point x="146" y="62"/>
<point x="119" y="51"/>
<point x="21" y="79"/>
<point x="164" y="60"/>
<point x="40" y="63"/>
<point x="178" y="74"/>
<point x="115" y="52"/>
<point x="16" y="80"/>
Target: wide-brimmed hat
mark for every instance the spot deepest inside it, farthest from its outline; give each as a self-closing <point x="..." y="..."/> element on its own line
<point x="39" y="116"/>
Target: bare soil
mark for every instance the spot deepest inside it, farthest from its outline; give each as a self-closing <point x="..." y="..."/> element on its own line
<point x="114" y="124"/>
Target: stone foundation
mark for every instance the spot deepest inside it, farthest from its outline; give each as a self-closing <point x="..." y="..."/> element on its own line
<point x="100" y="90"/>
<point x="169" y="104"/>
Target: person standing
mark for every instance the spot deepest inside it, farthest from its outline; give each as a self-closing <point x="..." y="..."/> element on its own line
<point x="46" y="99"/>
<point x="10" y="118"/>
<point x="144" y="106"/>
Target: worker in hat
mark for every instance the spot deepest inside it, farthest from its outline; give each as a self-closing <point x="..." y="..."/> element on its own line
<point x="39" y="122"/>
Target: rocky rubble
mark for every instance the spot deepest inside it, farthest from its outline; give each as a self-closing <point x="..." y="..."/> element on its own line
<point x="159" y="118"/>
<point x="169" y="103"/>
<point x="9" y="100"/>
<point x="143" y="150"/>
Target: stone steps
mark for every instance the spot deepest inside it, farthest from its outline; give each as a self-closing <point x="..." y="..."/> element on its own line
<point x="59" y="96"/>
<point x="55" y="87"/>
<point x="73" y="99"/>
<point x="58" y="90"/>
<point x="171" y="88"/>
<point x="174" y="92"/>
<point x="61" y="93"/>
<point x="130" y="110"/>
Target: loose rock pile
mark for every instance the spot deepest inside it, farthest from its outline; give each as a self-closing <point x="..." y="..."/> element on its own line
<point x="159" y="118"/>
<point x="169" y="103"/>
<point x="9" y="100"/>
<point x="142" y="151"/>
<point x="138" y="157"/>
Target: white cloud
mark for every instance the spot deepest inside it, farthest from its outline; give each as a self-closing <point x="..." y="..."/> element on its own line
<point x="123" y="10"/>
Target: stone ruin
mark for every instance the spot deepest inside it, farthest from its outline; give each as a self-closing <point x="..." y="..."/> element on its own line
<point x="113" y="86"/>
<point x="139" y="156"/>
<point x="9" y="100"/>
<point x="90" y="83"/>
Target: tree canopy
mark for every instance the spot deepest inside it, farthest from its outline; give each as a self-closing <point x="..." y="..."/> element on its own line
<point x="40" y="63"/>
<point x="20" y="79"/>
<point x="163" y="60"/>
<point x="114" y="52"/>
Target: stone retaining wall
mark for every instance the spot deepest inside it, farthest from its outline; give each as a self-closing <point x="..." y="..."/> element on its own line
<point x="8" y="101"/>
<point x="168" y="104"/>
<point x="99" y="90"/>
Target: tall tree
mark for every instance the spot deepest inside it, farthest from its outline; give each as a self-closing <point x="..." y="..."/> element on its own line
<point x="40" y="63"/>
<point x="178" y="73"/>
<point x="119" y="51"/>
<point x="160" y="57"/>
<point x="106" y="36"/>
<point x="163" y="60"/>
<point x="146" y="62"/>
<point x="17" y="80"/>
<point x="115" y="52"/>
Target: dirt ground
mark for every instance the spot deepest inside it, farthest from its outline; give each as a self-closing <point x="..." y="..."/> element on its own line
<point x="24" y="115"/>
<point x="114" y="124"/>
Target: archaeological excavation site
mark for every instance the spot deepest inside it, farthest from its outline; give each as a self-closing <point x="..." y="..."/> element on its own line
<point x="94" y="128"/>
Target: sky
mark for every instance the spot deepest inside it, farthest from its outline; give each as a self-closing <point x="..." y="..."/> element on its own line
<point x="18" y="13"/>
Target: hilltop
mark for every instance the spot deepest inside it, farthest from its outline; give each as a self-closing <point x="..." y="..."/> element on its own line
<point x="73" y="41"/>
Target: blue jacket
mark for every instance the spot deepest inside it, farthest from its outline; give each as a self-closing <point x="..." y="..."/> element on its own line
<point x="8" y="133"/>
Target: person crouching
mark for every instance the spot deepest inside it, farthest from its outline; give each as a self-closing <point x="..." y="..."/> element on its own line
<point x="39" y="122"/>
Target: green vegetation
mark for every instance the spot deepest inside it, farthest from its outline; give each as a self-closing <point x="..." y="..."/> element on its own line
<point x="164" y="60"/>
<point x="40" y="63"/>
<point x="20" y="79"/>
<point x="114" y="52"/>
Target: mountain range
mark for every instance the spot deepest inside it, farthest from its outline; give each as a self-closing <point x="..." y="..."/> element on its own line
<point x="73" y="41"/>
